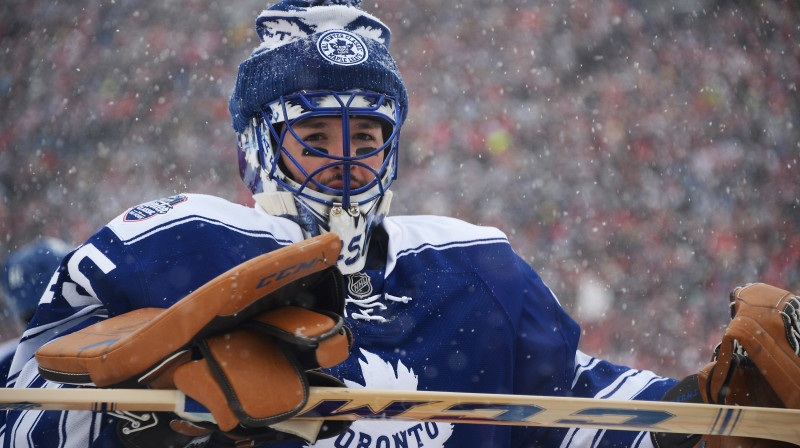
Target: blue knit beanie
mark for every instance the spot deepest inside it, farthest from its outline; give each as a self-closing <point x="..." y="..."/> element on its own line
<point x="315" y="45"/>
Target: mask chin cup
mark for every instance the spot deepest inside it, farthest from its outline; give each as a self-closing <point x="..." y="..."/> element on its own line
<point x="354" y="227"/>
<point x="351" y="226"/>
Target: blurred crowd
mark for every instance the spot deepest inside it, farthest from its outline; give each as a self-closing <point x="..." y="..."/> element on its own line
<point x="641" y="155"/>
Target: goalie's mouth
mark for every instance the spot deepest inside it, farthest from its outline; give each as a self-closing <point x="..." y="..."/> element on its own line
<point x="336" y="182"/>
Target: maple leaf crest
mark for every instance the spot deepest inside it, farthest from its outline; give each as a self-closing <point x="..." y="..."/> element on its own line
<point x="343" y="48"/>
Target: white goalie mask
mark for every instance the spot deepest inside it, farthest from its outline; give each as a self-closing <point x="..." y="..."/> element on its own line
<point x="347" y="208"/>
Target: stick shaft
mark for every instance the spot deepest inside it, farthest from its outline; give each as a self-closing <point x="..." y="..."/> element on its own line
<point x="354" y="404"/>
<point x="654" y="416"/>
<point x="90" y="399"/>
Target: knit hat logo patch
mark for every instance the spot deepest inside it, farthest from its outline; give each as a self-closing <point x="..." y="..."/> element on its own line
<point x="342" y="48"/>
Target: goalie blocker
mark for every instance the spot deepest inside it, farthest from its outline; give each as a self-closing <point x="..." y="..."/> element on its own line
<point x="243" y="345"/>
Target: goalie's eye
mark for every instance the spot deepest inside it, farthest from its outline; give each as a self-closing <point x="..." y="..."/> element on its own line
<point x="316" y="152"/>
<point x="322" y="152"/>
<point x="366" y="150"/>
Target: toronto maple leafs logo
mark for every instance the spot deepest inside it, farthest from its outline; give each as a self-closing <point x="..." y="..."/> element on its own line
<point x="342" y="48"/>
<point x="379" y="373"/>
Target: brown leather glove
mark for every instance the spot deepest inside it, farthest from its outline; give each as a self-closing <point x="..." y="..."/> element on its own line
<point x="756" y="364"/>
<point x="765" y="326"/>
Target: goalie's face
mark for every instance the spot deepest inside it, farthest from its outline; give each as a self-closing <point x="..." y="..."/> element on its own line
<point x="322" y="154"/>
<point x="326" y="147"/>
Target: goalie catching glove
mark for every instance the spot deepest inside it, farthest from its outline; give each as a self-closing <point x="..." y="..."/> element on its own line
<point x="756" y="364"/>
<point x="244" y="345"/>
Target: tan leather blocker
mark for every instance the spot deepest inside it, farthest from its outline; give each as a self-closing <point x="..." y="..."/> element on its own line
<point x="317" y="338"/>
<point x="120" y="349"/>
<point x="246" y="376"/>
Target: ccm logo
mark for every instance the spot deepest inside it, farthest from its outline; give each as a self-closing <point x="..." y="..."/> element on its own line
<point x="288" y="272"/>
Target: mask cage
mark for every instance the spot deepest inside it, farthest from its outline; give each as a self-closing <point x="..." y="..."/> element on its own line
<point x="291" y="109"/>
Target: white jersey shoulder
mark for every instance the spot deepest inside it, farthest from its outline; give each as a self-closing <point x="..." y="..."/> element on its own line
<point x="161" y="214"/>
<point x="419" y="230"/>
<point x="415" y="233"/>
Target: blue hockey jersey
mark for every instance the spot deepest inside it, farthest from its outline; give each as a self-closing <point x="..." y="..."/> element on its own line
<point x="441" y="305"/>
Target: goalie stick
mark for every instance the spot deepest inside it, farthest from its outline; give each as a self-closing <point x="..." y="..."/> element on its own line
<point x="453" y="407"/>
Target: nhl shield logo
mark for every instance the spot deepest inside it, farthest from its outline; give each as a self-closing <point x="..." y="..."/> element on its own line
<point x="359" y="285"/>
<point x="342" y="48"/>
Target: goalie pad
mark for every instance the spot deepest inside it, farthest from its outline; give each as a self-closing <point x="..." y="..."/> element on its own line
<point x="119" y="350"/>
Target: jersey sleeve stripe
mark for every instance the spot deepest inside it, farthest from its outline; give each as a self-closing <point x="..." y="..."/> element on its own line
<point x="196" y="218"/>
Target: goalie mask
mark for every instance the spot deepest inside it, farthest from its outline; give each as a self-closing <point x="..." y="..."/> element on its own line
<point x="326" y="61"/>
<point x="350" y="207"/>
